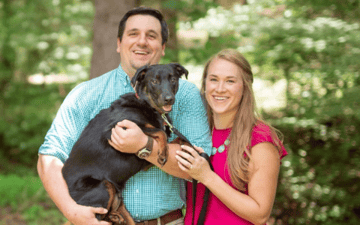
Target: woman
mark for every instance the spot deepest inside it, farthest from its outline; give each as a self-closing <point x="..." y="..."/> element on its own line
<point x="246" y="150"/>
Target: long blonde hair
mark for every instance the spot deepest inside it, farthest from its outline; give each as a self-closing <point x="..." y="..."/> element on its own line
<point x="245" y="119"/>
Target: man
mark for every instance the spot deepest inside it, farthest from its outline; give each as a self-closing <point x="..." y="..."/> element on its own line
<point x="150" y="195"/>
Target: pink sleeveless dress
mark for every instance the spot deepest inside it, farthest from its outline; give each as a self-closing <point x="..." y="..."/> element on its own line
<point x="217" y="213"/>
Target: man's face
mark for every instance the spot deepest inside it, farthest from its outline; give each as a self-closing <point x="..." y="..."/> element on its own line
<point x="141" y="43"/>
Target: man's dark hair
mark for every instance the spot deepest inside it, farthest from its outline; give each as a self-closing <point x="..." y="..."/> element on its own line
<point x="145" y="11"/>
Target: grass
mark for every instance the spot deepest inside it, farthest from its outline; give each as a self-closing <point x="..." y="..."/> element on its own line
<point x="25" y="201"/>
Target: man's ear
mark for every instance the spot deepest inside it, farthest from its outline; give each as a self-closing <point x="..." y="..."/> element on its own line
<point x="118" y="45"/>
<point x="163" y="50"/>
<point x="180" y="70"/>
<point x="139" y="75"/>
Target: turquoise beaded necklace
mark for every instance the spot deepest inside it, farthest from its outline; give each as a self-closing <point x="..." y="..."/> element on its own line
<point x="222" y="147"/>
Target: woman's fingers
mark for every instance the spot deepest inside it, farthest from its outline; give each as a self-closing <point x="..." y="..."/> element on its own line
<point x="184" y="159"/>
<point x="182" y="167"/>
<point x="191" y="150"/>
<point x="199" y="149"/>
<point x="186" y="155"/>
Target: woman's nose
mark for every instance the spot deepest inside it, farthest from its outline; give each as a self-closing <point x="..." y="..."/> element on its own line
<point x="220" y="87"/>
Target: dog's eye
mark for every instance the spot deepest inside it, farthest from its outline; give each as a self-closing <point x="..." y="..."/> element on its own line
<point x="154" y="81"/>
<point x="173" y="80"/>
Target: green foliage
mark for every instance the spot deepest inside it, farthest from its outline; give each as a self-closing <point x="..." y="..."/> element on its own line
<point x="320" y="178"/>
<point x="44" y="36"/>
<point x="40" y="215"/>
<point x="27" y="196"/>
<point x="189" y="10"/>
<point x="15" y="190"/>
<point x="29" y="112"/>
<point x="344" y="9"/>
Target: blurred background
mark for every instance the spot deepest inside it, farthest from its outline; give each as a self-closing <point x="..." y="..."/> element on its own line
<point x="305" y="57"/>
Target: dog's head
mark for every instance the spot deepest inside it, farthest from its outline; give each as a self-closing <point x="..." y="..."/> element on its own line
<point x="158" y="84"/>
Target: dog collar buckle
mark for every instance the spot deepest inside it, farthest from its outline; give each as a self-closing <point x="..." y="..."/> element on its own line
<point x="167" y="122"/>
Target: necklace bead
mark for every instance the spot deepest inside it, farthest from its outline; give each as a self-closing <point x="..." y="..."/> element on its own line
<point x="221" y="148"/>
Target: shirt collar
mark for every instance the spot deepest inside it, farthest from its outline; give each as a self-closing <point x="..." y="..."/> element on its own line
<point x="124" y="78"/>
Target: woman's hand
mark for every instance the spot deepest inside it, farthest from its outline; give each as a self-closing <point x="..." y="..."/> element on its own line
<point x="192" y="163"/>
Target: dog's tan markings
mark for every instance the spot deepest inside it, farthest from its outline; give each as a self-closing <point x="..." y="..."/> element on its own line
<point x="151" y="100"/>
<point x="161" y="138"/>
<point x="181" y="142"/>
<point x="117" y="213"/>
<point x="163" y="154"/>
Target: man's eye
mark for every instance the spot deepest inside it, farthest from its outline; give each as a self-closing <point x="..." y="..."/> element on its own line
<point x="152" y="35"/>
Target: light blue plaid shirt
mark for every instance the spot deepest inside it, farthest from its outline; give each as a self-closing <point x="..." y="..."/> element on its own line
<point x="149" y="194"/>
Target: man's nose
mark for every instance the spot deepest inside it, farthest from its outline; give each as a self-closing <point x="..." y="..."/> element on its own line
<point x="142" y="41"/>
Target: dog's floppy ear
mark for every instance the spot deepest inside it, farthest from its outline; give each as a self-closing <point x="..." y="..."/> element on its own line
<point x="180" y="69"/>
<point x="139" y="75"/>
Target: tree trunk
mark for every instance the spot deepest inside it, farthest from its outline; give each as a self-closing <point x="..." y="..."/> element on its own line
<point x="107" y="17"/>
<point x="170" y="16"/>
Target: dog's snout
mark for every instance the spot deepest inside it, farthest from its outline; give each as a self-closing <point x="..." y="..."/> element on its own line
<point x="169" y="99"/>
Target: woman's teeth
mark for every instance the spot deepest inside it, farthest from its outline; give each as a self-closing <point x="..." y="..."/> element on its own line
<point x="220" y="98"/>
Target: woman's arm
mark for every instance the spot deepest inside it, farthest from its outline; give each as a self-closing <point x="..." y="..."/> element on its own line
<point x="255" y="207"/>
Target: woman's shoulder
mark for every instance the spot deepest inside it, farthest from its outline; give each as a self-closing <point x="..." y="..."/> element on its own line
<point x="264" y="133"/>
<point x="261" y="133"/>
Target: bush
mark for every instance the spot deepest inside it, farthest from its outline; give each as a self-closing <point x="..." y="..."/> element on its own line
<point x="320" y="179"/>
<point x="29" y="111"/>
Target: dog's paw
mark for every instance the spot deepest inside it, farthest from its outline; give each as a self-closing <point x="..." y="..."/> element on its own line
<point x="163" y="156"/>
<point x="117" y="218"/>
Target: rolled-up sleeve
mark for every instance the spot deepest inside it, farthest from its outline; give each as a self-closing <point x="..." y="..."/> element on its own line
<point x="190" y="118"/>
<point x="71" y="118"/>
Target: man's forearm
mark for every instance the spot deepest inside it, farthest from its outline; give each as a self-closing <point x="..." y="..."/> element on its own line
<point x="49" y="169"/>
<point x="171" y="167"/>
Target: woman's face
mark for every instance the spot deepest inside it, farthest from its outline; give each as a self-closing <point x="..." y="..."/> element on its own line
<point x="224" y="87"/>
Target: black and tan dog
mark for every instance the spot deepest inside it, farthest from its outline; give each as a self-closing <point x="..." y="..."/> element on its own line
<point x="95" y="172"/>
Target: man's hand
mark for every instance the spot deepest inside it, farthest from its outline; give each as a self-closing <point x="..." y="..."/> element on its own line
<point x="49" y="169"/>
<point x="85" y="215"/>
<point x="127" y="137"/>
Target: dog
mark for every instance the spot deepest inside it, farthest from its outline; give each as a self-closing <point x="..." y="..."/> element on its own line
<point x="95" y="172"/>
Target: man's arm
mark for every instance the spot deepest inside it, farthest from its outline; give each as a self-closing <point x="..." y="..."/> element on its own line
<point x="132" y="139"/>
<point x="71" y="118"/>
<point x="49" y="169"/>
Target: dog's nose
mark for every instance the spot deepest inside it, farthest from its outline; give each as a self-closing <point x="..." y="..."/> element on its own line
<point x="169" y="100"/>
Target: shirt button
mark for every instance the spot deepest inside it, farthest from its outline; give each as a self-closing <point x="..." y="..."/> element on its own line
<point x="137" y="215"/>
<point x="137" y="190"/>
